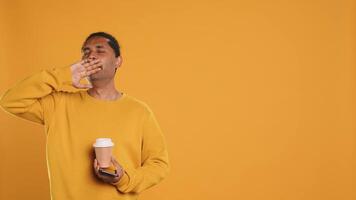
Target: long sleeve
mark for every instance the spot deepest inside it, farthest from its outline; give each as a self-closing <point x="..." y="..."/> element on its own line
<point x="155" y="164"/>
<point x="33" y="97"/>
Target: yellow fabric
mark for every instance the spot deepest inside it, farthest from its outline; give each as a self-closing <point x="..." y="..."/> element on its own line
<point x="73" y="120"/>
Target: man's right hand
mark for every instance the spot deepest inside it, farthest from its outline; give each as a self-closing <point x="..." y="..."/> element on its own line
<point x="83" y="69"/>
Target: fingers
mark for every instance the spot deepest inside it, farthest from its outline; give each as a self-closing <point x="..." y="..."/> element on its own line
<point x="87" y="73"/>
<point x="117" y="165"/>
<point x="82" y="62"/>
<point x="119" y="170"/>
<point x="91" y="67"/>
<point x="104" y="178"/>
<point x="92" y="64"/>
<point x="96" y="167"/>
<point x="95" y="164"/>
<point x="93" y="71"/>
<point x="84" y="69"/>
<point x="114" y="160"/>
<point x="84" y="86"/>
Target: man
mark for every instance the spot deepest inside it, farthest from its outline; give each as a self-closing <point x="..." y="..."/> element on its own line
<point x="75" y="114"/>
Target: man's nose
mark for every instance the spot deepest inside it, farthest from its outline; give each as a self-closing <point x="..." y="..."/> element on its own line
<point x="92" y="57"/>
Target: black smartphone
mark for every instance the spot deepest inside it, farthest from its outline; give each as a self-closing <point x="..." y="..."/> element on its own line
<point x="107" y="173"/>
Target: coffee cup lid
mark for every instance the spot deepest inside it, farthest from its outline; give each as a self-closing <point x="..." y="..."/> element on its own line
<point x="103" y="142"/>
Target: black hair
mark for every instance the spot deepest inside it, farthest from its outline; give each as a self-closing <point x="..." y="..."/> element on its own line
<point x="112" y="41"/>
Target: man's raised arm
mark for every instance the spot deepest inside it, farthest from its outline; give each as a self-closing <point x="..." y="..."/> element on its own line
<point x="32" y="97"/>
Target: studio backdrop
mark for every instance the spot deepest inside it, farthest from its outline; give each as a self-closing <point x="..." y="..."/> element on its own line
<point x="256" y="98"/>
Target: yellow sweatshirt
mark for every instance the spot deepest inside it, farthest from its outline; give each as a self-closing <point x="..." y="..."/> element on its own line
<point x="73" y="120"/>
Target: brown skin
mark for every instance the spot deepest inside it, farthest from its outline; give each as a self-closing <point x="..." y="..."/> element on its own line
<point x="98" y="65"/>
<point x="109" y="179"/>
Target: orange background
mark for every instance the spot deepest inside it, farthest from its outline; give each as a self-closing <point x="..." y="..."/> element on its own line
<point x="256" y="98"/>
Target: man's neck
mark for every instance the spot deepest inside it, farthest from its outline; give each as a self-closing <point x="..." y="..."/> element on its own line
<point x="104" y="90"/>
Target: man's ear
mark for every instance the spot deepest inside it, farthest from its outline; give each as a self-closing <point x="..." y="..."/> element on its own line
<point x="118" y="62"/>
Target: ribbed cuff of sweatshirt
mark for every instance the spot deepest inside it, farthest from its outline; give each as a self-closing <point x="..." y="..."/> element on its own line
<point x="123" y="183"/>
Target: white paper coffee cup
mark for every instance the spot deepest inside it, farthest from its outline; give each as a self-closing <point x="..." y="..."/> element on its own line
<point x="103" y="151"/>
<point x="103" y="142"/>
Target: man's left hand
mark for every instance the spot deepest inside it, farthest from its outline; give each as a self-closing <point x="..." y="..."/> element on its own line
<point x="106" y="178"/>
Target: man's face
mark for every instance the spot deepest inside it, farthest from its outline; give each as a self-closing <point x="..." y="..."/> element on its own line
<point x="98" y="48"/>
